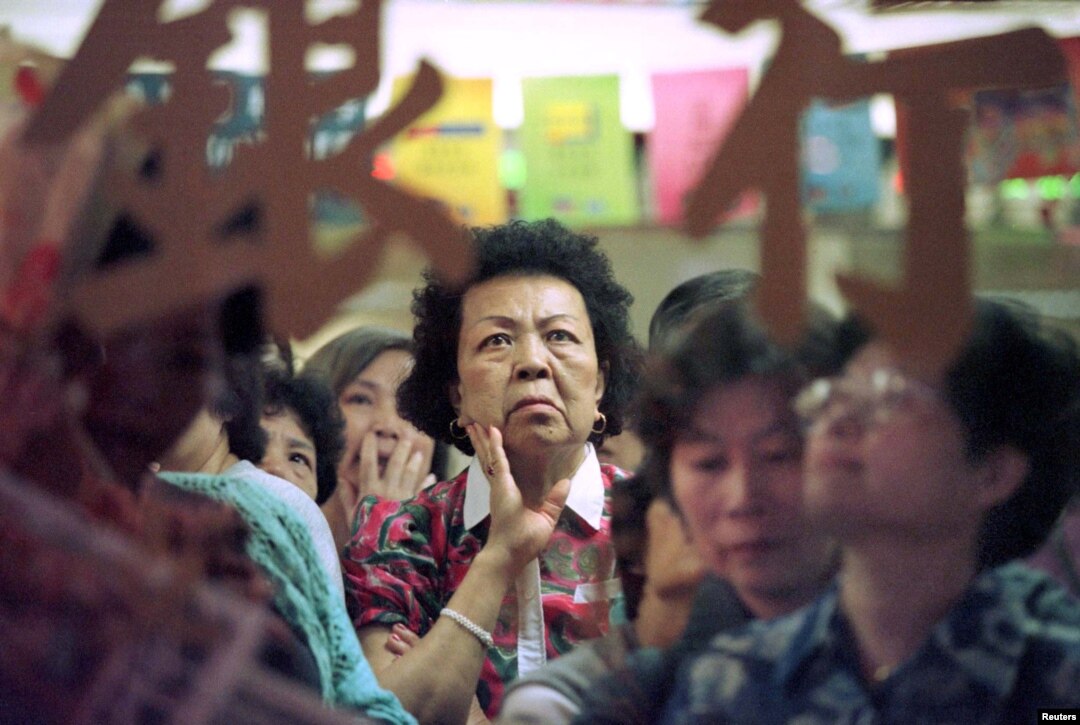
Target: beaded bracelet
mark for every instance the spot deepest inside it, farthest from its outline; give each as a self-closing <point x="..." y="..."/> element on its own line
<point x="470" y="626"/>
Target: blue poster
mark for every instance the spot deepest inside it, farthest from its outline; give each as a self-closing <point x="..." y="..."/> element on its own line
<point x="841" y="157"/>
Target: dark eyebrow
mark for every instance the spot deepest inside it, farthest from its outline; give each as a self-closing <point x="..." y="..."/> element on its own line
<point x="502" y="319"/>
<point x="369" y="384"/>
<point x="510" y="322"/>
<point x="299" y="443"/>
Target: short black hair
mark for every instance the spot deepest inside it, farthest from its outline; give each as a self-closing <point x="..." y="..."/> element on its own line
<point x="312" y="402"/>
<point x="724" y="345"/>
<point x="681" y="306"/>
<point x="1017" y="383"/>
<point x="525" y="248"/>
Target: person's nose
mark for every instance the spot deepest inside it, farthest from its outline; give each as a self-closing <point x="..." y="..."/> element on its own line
<point x="273" y="462"/>
<point x="531" y="358"/>
<point x="744" y="491"/>
<point x="388" y="424"/>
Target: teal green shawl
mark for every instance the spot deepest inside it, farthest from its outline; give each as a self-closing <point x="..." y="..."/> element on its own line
<point x="281" y="545"/>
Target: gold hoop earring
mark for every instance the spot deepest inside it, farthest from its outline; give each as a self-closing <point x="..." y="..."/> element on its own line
<point x="464" y="434"/>
<point x="603" y="425"/>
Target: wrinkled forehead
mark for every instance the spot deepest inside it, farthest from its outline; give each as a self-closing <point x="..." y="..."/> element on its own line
<point x="514" y="295"/>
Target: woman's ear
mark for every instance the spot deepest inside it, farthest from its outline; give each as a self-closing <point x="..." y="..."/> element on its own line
<point x="1002" y="471"/>
<point x="601" y="382"/>
<point x="453" y="391"/>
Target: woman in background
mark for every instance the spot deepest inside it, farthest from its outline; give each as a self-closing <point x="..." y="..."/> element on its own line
<point x="304" y="433"/>
<point x="384" y="454"/>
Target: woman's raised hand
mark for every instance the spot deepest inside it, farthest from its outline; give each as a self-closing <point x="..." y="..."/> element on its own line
<point x="406" y="471"/>
<point x="521" y="528"/>
<point x="405" y="474"/>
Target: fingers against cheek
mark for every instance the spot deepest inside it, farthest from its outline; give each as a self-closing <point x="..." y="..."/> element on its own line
<point x="479" y="441"/>
<point x="414" y="467"/>
<point x="369" y="456"/>
<point x="399" y="458"/>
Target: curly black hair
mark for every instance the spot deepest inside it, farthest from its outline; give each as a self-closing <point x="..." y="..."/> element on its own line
<point x="520" y="248"/>
<point x="313" y="404"/>
<point x="685" y="301"/>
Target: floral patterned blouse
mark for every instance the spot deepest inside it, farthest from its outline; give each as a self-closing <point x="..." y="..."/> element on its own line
<point x="407" y="558"/>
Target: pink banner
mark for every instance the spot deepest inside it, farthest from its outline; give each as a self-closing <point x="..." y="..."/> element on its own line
<point x="694" y="111"/>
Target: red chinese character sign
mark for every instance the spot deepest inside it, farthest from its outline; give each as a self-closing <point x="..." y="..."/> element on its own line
<point x="191" y="211"/>
<point x="762" y="150"/>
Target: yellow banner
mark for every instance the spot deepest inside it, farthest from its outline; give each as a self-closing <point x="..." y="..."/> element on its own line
<point x="451" y="153"/>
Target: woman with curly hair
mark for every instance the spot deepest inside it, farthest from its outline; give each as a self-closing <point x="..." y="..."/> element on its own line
<point x="526" y="368"/>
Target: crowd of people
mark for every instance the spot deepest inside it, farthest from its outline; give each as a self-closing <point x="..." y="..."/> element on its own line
<point x="815" y="533"/>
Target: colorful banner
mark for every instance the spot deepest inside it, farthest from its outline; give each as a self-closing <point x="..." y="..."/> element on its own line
<point x="841" y="157"/>
<point x="451" y="153"/>
<point x="694" y="111"/>
<point x="1023" y="134"/>
<point x="579" y="160"/>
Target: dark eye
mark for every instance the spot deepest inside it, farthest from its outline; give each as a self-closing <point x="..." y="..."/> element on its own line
<point x="561" y="336"/>
<point x="499" y="339"/>
<point x="301" y="459"/>
<point x="895" y="398"/>
<point x="780" y="449"/>
<point x="711" y="464"/>
<point x="781" y="454"/>
<point x="359" y="399"/>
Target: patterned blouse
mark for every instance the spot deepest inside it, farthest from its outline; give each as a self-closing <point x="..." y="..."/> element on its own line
<point x="407" y="558"/>
<point x="1009" y="647"/>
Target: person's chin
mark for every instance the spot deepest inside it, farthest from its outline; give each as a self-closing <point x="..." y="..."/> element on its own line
<point x="538" y="436"/>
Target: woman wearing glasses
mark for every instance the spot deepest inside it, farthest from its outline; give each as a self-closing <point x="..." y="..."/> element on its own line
<point x="933" y="488"/>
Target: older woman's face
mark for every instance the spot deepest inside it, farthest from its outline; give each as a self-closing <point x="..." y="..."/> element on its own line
<point x="527" y="364"/>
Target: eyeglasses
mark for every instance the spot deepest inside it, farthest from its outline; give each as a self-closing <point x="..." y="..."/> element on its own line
<point x="875" y="399"/>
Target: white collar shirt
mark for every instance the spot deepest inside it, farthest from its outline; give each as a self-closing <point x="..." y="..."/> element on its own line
<point x="586" y="499"/>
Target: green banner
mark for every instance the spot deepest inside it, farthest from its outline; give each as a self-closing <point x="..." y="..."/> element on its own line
<point x="579" y="160"/>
